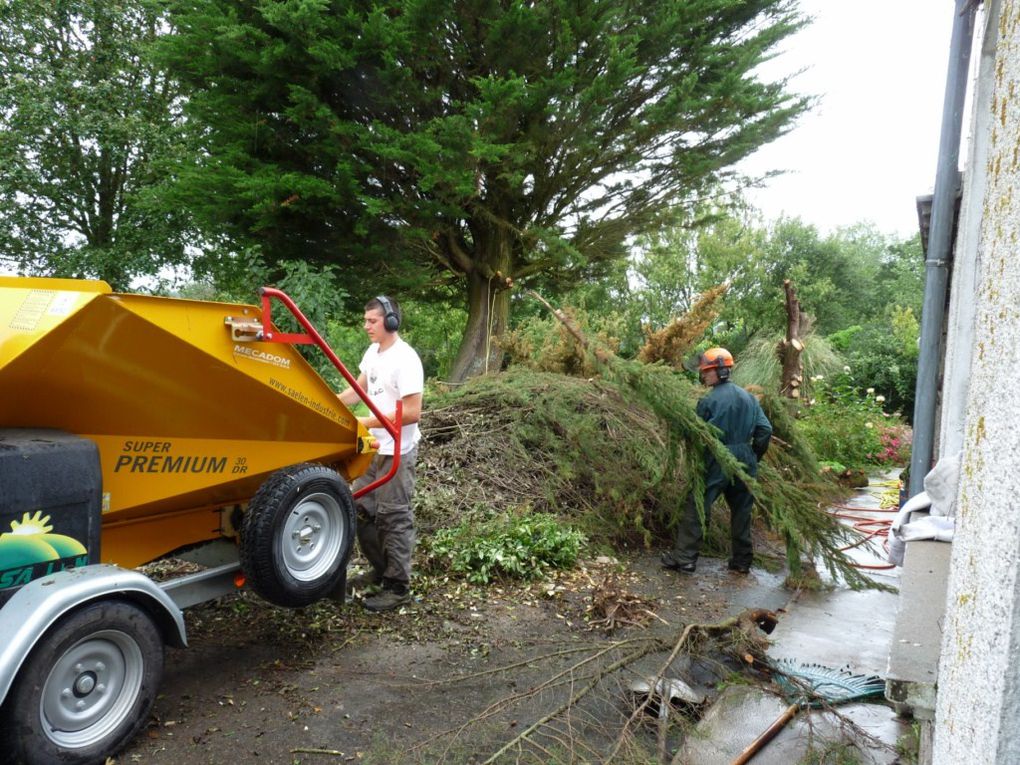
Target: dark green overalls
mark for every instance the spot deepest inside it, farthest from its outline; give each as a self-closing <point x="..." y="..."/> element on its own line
<point x="746" y="432"/>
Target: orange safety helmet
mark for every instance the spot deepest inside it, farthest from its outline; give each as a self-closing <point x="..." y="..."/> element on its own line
<point x="715" y="358"/>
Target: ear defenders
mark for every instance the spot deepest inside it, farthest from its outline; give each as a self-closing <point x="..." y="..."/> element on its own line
<point x="391" y="319"/>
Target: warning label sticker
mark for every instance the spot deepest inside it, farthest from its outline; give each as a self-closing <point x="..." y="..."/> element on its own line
<point x="32" y="309"/>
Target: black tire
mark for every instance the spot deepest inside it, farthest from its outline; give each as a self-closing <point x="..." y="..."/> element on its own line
<point x="86" y="689"/>
<point x="297" y="535"/>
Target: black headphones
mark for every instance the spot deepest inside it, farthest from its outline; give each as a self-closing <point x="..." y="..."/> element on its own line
<point x="391" y="319"/>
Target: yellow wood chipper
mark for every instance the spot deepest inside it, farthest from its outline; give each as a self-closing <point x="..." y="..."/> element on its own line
<point x="133" y="428"/>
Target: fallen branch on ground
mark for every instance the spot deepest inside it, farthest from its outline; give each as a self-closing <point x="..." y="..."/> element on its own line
<point x="741" y="629"/>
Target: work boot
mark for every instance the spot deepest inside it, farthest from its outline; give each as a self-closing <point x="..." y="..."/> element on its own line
<point x="669" y="561"/>
<point x="387" y="600"/>
<point x="738" y="568"/>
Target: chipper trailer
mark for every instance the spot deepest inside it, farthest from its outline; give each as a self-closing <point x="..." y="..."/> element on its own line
<point x="134" y="428"/>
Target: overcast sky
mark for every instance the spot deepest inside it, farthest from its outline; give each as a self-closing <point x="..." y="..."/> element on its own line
<point x="870" y="146"/>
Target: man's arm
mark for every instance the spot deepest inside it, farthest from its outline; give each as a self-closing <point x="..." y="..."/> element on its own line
<point x="762" y="434"/>
<point x="350" y="397"/>
<point x="410" y="415"/>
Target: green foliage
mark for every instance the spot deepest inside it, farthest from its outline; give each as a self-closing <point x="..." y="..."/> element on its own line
<point x="834" y="467"/>
<point x="434" y="329"/>
<point x="841" y="340"/>
<point x="666" y="275"/>
<point x="883" y="353"/>
<point x="88" y="126"/>
<point x="850" y="427"/>
<point x="520" y="545"/>
<point x="849" y="277"/>
<point x="544" y="344"/>
<point x="467" y="142"/>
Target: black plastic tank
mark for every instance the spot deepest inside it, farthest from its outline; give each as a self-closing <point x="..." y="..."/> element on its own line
<point x="51" y="497"/>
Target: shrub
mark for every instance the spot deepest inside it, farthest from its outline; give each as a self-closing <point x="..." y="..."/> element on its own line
<point x="885" y="354"/>
<point x="522" y="546"/>
<point x="895" y="440"/>
<point x="848" y="427"/>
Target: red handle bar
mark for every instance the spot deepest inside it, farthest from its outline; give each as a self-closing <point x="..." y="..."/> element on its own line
<point x="312" y="337"/>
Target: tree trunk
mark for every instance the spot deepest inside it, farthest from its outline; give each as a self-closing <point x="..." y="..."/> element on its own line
<point x="791" y="347"/>
<point x="488" y="314"/>
<point x="488" y="273"/>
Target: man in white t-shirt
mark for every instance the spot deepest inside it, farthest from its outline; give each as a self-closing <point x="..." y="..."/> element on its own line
<point x="390" y="371"/>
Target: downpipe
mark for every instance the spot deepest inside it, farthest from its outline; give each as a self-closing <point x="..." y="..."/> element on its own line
<point x="940" y="245"/>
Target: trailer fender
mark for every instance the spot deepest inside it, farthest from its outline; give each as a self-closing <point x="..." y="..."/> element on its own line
<point x="33" y="609"/>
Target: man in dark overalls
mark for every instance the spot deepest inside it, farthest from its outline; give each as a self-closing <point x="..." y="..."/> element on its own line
<point x="746" y="432"/>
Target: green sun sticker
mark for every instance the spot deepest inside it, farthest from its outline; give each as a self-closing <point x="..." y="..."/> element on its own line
<point x="30" y="549"/>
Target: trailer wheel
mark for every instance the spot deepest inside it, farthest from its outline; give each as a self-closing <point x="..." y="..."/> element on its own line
<point x="87" y="688"/>
<point x="297" y="534"/>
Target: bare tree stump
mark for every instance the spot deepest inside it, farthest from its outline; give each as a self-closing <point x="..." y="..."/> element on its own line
<point x="791" y="348"/>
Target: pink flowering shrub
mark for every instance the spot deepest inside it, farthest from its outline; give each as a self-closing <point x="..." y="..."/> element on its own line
<point x="895" y="439"/>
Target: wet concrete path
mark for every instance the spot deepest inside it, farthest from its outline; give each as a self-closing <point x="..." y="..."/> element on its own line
<point x="839" y="629"/>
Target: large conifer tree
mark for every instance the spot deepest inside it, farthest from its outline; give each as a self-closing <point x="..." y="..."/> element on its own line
<point x="470" y="141"/>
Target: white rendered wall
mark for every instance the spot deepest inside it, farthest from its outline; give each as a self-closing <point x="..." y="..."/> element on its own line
<point x="963" y="300"/>
<point x="978" y="702"/>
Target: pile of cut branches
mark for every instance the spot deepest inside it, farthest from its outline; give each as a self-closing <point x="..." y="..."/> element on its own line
<point x="544" y="442"/>
<point x="617" y="453"/>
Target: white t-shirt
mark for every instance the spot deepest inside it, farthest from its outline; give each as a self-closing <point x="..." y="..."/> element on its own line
<point x="389" y="377"/>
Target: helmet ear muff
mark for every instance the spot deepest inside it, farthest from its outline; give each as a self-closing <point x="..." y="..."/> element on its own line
<point x="391" y="319"/>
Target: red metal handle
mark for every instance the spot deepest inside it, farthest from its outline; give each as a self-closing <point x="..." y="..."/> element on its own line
<point x="312" y="337"/>
<point x="399" y="414"/>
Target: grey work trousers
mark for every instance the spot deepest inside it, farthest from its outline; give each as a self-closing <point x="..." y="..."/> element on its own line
<point x="386" y="519"/>
<point x="689" y="533"/>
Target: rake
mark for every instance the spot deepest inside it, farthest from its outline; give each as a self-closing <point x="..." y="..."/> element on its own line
<point x="812" y="686"/>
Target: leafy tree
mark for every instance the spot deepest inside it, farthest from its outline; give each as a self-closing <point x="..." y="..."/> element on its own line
<point x="86" y="122"/>
<point x="470" y="142"/>
<point x="850" y="277"/>
<point x="833" y="275"/>
<point x="899" y="281"/>
<point x="667" y="272"/>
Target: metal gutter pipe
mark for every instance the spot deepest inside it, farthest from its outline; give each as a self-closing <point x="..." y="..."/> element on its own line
<point x="947" y="185"/>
